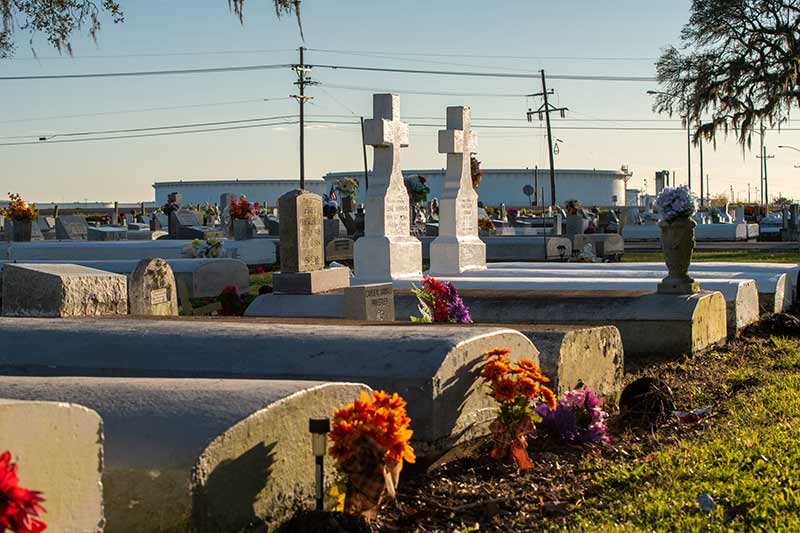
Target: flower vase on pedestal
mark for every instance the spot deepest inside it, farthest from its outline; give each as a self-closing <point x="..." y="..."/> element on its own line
<point x="22" y="230"/>
<point x="678" y="242"/>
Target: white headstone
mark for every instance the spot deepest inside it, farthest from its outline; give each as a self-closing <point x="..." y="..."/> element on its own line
<point x="458" y="249"/>
<point x="740" y="215"/>
<point x="387" y="251"/>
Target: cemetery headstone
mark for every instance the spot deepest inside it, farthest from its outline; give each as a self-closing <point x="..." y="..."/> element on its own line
<point x="387" y="250"/>
<point x="273" y="225"/>
<point x="182" y="219"/>
<point x="302" y="253"/>
<point x="332" y="229"/>
<point x="151" y="289"/>
<point x="339" y="250"/>
<point x="71" y="228"/>
<point x="374" y="302"/>
<point x="458" y="248"/>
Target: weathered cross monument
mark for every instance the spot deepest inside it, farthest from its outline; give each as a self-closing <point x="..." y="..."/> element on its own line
<point x="458" y="249"/>
<point x="387" y="251"/>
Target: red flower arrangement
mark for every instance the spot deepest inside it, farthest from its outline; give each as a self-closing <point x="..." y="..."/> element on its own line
<point x="515" y="386"/>
<point x="243" y="209"/>
<point x="370" y="442"/>
<point x="19" y="210"/>
<point x="475" y="171"/>
<point x="18" y="506"/>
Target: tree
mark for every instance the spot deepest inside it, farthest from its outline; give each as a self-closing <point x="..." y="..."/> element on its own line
<point x="737" y="67"/>
<point x="59" y="20"/>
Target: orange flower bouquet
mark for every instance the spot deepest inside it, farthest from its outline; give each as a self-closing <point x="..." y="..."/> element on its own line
<point x="370" y="442"/>
<point x="518" y="388"/>
<point x="19" y="210"/>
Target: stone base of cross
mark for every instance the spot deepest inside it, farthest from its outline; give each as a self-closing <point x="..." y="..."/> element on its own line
<point x="458" y="248"/>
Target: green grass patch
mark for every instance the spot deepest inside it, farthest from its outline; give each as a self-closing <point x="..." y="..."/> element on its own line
<point x="746" y="459"/>
<point x="257" y="280"/>
<point x="732" y="257"/>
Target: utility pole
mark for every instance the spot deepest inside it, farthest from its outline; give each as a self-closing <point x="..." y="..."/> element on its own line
<point x="765" y="181"/>
<point x="702" y="201"/>
<point x="545" y="109"/>
<point x="536" y="185"/>
<point x="708" y="192"/>
<point x="302" y="70"/>
<point x="761" y="165"/>
<point x="748" y="193"/>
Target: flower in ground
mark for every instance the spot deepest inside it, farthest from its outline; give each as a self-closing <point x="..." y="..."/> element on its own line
<point x="577" y="418"/>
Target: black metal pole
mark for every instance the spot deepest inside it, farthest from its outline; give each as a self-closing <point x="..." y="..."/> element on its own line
<point x="549" y="143"/>
<point x="689" y="149"/>
<point x="702" y="197"/>
<point x="364" y="150"/>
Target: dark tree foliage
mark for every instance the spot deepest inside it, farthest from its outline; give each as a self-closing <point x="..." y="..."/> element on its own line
<point x="737" y="67"/>
<point x="60" y="19"/>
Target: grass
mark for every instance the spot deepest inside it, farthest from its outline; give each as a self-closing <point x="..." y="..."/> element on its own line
<point x="733" y="257"/>
<point x="257" y="280"/>
<point x="746" y="459"/>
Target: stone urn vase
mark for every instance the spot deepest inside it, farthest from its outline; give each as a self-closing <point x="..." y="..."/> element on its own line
<point x="678" y="242"/>
<point x="22" y="230"/>
<point x="241" y="229"/>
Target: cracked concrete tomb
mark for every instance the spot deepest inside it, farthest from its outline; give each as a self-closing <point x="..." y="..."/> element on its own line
<point x="204" y="455"/>
<point x="434" y="367"/>
<point x="58" y="448"/>
<point x="48" y="290"/>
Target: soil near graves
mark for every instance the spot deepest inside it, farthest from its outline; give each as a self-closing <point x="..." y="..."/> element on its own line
<point x="740" y="453"/>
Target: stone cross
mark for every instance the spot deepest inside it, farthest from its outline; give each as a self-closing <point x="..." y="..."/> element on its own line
<point x="387" y="251"/>
<point x="457" y="248"/>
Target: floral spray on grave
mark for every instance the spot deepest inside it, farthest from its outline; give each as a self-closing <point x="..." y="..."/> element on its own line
<point x="18" y="507"/>
<point x="440" y="302"/>
<point x="370" y="440"/>
<point x="518" y="388"/>
<point x="577" y="419"/>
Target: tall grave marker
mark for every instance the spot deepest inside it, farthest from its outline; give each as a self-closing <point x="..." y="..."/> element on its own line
<point x="302" y="253"/>
<point x="387" y="251"/>
<point x="458" y="248"/>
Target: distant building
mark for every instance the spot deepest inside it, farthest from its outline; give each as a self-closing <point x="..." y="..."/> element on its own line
<point x="262" y="191"/>
<point x="602" y="188"/>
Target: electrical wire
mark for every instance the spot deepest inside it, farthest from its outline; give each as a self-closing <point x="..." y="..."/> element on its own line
<point x="648" y="79"/>
<point x="147" y="109"/>
<point x="154" y="54"/>
<point x="141" y="135"/>
<point x="433" y="54"/>
<point x="424" y="93"/>
<point x="154" y="128"/>
<point x="145" y="73"/>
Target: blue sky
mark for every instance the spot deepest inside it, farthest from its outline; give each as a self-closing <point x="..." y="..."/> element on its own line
<point x="441" y="35"/>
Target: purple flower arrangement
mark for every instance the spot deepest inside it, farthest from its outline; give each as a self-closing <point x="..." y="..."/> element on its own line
<point x="577" y="419"/>
<point x="440" y="302"/>
<point x="676" y="202"/>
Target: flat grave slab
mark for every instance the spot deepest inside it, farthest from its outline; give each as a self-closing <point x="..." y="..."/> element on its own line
<point x="520" y="248"/>
<point x="47" y="290"/>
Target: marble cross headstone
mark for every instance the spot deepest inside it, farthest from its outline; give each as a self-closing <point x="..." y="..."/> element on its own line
<point x="387" y="251"/>
<point x="458" y="248"/>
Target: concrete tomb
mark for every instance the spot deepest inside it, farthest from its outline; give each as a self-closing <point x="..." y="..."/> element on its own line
<point x="51" y="290"/>
<point x="373" y="302"/>
<point x="58" y="448"/>
<point x="434" y="367"/>
<point x="387" y="250"/>
<point x="107" y="233"/>
<point x="606" y="245"/>
<point x="457" y="248"/>
<point x="152" y="290"/>
<point x="202" y="455"/>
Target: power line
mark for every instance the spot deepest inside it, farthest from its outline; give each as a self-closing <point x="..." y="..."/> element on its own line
<point x="154" y="54"/>
<point x="648" y="79"/>
<point x="147" y="109"/>
<point x="145" y="73"/>
<point x="153" y="128"/>
<point x="137" y="136"/>
<point x="558" y="58"/>
<point x="424" y="93"/>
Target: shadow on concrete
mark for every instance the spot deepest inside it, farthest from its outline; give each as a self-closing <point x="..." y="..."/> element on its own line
<point x="227" y="502"/>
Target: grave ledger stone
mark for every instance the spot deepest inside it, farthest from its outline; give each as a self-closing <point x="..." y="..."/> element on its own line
<point x="387" y="251"/>
<point x="458" y="249"/>
<point x="51" y="290"/>
<point x="302" y="253"/>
